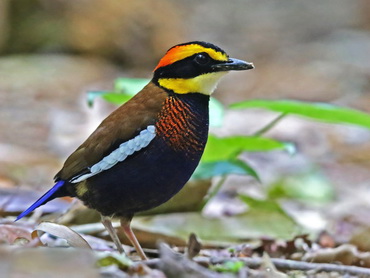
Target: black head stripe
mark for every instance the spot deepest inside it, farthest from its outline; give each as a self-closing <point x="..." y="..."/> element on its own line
<point x="186" y="68"/>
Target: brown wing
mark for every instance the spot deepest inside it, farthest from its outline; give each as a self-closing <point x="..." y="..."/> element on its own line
<point x="121" y="125"/>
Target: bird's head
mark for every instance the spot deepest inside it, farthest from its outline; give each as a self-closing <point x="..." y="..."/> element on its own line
<point x="195" y="67"/>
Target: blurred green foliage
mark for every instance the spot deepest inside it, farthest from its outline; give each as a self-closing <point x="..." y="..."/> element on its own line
<point x="315" y="111"/>
<point x="310" y="187"/>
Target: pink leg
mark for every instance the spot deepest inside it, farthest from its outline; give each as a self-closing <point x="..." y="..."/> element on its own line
<point x="108" y="225"/>
<point x="125" y="224"/>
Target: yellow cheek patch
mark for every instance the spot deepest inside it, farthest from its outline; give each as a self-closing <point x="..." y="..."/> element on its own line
<point x="81" y="189"/>
<point x="180" y="52"/>
<point x="204" y="84"/>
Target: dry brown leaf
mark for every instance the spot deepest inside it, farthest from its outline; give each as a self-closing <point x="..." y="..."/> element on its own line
<point x="9" y="233"/>
<point x="73" y="238"/>
<point x="268" y="268"/>
<point x="361" y="239"/>
<point x="194" y="246"/>
<point x="346" y="254"/>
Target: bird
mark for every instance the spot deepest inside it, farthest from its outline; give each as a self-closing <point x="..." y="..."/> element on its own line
<point x="145" y="151"/>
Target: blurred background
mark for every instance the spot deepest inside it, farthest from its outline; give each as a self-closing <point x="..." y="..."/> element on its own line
<point x="53" y="52"/>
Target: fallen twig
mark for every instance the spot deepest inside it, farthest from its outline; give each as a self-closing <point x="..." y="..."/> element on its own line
<point x="281" y="264"/>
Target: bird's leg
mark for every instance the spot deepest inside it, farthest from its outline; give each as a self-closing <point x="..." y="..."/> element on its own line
<point x="108" y="225"/>
<point x="126" y="226"/>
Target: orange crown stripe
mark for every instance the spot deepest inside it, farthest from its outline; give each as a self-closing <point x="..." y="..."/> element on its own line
<point x="180" y="52"/>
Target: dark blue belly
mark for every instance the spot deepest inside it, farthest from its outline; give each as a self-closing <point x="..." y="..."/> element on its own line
<point x="143" y="181"/>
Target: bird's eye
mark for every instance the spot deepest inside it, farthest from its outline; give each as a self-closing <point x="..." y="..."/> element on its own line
<point x="201" y="59"/>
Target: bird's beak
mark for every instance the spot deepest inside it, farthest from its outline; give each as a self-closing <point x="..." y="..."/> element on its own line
<point x="233" y="64"/>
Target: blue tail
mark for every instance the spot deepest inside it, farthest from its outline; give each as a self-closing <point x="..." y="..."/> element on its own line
<point x="48" y="196"/>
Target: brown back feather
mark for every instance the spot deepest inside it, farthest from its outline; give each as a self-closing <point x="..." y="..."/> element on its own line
<point x="121" y="125"/>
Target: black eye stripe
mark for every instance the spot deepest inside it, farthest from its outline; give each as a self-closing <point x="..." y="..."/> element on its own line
<point x="186" y="68"/>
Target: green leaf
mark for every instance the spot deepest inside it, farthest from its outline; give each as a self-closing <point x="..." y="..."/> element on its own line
<point x="92" y="95"/>
<point x="112" y="97"/>
<point x="317" y="111"/>
<point x="113" y="258"/>
<point x="228" y="266"/>
<point x="117" y="99"/>
<point x="252" y="224"/>
<point x="262" y="205"/>
<point x="226" y="148"/>
<point x="308" y="187"/>
<point x="124" y="89"/>
<point x="130" y="86"/>
<point x="207" y="170"/>
<point x="216" y="112"/>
